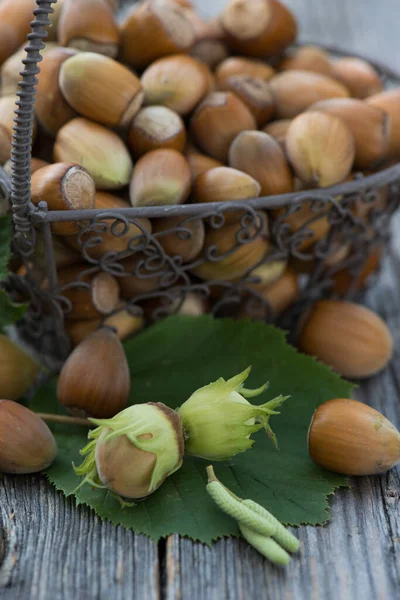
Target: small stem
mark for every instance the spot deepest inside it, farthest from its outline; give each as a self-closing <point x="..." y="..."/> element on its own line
<point x="211" y="474"/>
<point x="62" y="419"/>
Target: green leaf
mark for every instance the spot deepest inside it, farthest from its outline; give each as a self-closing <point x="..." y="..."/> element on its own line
<point x="168" y="362"/>
<point x="5" y="245"/>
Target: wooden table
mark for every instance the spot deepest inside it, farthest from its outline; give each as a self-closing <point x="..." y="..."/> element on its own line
<point x="50" y="550"/>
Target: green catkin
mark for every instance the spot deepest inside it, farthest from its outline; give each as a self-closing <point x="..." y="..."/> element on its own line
<point x="286" y="539"/>
<point x="235" y="509"/>
<point x="265" y="546"/>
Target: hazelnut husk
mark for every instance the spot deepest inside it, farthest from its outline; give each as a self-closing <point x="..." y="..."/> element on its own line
<point x="81" y="81"/>
<point x="178" y="82"/>
<point x="218" y="120"/>
<point x="369" y="126"/>
<point x="153" y="30"/>
<point x="156" y="127"/>
<point x="295" y="91"/>
<point x="258" y="28"/>
<point x="63" y="186"/>
<point x="160" y="177"/>
<point x="95" y="379"/>
<point x="320" y="148"/>
<point x="89" y="26"/>
<point x="360" y="78"/>
<point x="259" y="155"/>
<point x="351" y="438"/>
<point x="26" y="443"/>
<point x="98" y="150"/>
<point x="346" y="336"/>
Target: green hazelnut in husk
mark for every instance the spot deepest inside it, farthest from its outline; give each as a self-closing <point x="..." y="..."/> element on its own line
<point x="133" y="453"/>
<point x="219" y="421"/>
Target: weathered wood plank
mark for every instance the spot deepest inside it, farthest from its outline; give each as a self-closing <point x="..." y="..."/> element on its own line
<point x="51" y="550"/>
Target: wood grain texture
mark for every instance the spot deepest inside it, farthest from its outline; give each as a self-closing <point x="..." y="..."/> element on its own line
<point x="51" y="550"/>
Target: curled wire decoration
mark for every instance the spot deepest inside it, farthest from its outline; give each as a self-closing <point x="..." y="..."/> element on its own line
<point x="327" y="236"/>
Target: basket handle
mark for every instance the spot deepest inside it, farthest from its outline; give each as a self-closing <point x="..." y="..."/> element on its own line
<point x="21" y="149"/>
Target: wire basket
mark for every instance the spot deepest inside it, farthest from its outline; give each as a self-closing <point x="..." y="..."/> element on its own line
<point x="354" y="217"/>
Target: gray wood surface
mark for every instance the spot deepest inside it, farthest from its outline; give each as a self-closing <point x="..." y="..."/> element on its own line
<point x="50" y="550"/>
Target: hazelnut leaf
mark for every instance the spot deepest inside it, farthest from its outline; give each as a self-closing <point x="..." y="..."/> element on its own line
<point x="168" y="362"/>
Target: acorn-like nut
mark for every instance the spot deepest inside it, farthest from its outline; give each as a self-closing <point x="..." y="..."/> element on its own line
<point x="54" y="19"/>
<point x="92" y="295"/>
<point x="160" y="177"/>
<point x="233" y="254"/>
<point x="254" y="93"/>
<point x="26" y="443"/>
<point x="64" y="256"/>
<point x="238" y="65"/>
<point x="209" y="51"/>
<point x="63" y="186"/>
<point x="224" y="184"/>
<point x="82" y="79"/>
<point x="369" y="126"/>
<point x="320" y="148"/>
<point x="267" y="273"/>
<point x="359" y="77"/>
<point x="280" y="295"/>
<point x="122" y="322"/>
<point x="178" y="82"/>
<point x="12" y="67"/>
<point x="36" y="164"/>
<point x="180" y="236"/>
<point x="351" y="438"/>
<point x="110" y="236"/>
<point x="51" y="108"/>
<point x="350" y="338"/>
<point x="200" y="163"/>
<point x="308" y="58"/>
<point x="132" y="454"/>
<point x="258" y="28"/>
<point x="90" y="26"/>
<point x="96" y="149"/>
<point x="156" y="127"/>
<point x="140" y="277"/>
<point x="7" y="115"/>
<point x="18" y="370"/>
<point x="295" y="91"/>
<point x="15" y="20"/>
<point x="313" y="223"/>
<point x="153" y="30"/>
<point x="95" y="379"/>
<point x="218" y="120"/>
<point x="389" y="101"/>
<point x="345" y="280"/>
<point x="278" y="130"/>
<point x="259" y="155"/>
